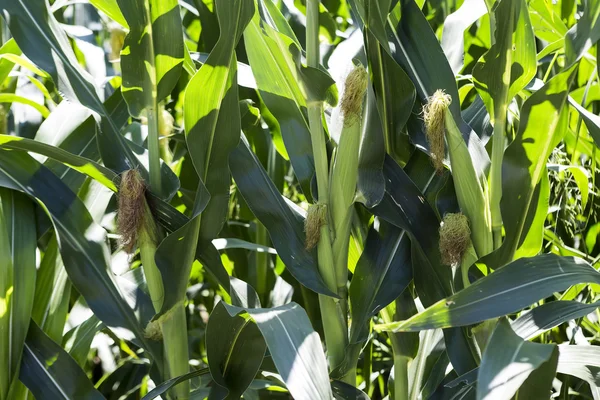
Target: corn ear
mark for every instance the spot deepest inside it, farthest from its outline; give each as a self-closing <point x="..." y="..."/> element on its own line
<point x="344" y="174"/>
<point x="470" y="190"/>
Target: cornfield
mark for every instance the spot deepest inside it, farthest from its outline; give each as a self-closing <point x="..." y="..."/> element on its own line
<point x="307" y="199"/>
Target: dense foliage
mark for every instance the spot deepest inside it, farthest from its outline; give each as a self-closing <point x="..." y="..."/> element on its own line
<point x="303" y="199"/>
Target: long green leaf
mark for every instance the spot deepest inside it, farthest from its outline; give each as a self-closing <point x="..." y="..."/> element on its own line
<point x="17" y="281"/>
<point x="508" y="361"/>
<point x="517" y="285"/>
<point x="50" y="373"/>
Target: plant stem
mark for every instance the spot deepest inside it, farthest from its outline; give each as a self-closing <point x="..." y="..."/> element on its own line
<point x="499" y="141"/>
<point x="153" y="150"/>
<point x="334" y="320"/>
<point x="174" y="329"/>
<point x="400" y="377"/>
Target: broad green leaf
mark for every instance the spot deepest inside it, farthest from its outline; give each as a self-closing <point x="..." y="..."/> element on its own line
<point x="453" y="41"/>
<point x="167" y="385"/>
<point x="344" y="391"/>
<point x="550" y="315"/>
<point x="582" y="362"/>
<point x="510" y="63"/>
<point x="235" y="350"/>
<point x="402" y="206"/>
<point x="78" y="340"/>
<point x="50" y="373"/>
<point x="507" y="290"/>
<point x="212" y="123"/>
<point x="82" y="242"/>
<point x="507" y="363"/>
<point x="152" y="55"/>
<point x="274" y="58"/>
<point x="52" y="293"/>
<point x="294" y="347"/>
<point x="18" y="241"/>
<point x="285" y="225"/>
<point x="542" y="126"/>
<point x="212" y="116"/>
<point x="125" y="380"/>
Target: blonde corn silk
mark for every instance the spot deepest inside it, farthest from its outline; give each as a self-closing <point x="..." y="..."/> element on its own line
<point x="434" y="113"/>
<point x="354" y="93"/>
<point x="455" y="238"/>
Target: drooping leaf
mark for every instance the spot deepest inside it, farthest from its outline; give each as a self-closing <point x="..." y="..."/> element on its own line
<point x="50" y="373"/>
<point x="509" y="289"/>
<point x="404" y="206"/>
<point x="285" y="225"/>
<point x="507" y="363"/>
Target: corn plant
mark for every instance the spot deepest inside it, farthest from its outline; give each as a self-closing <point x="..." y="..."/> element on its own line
<point x="308" y="199"/>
